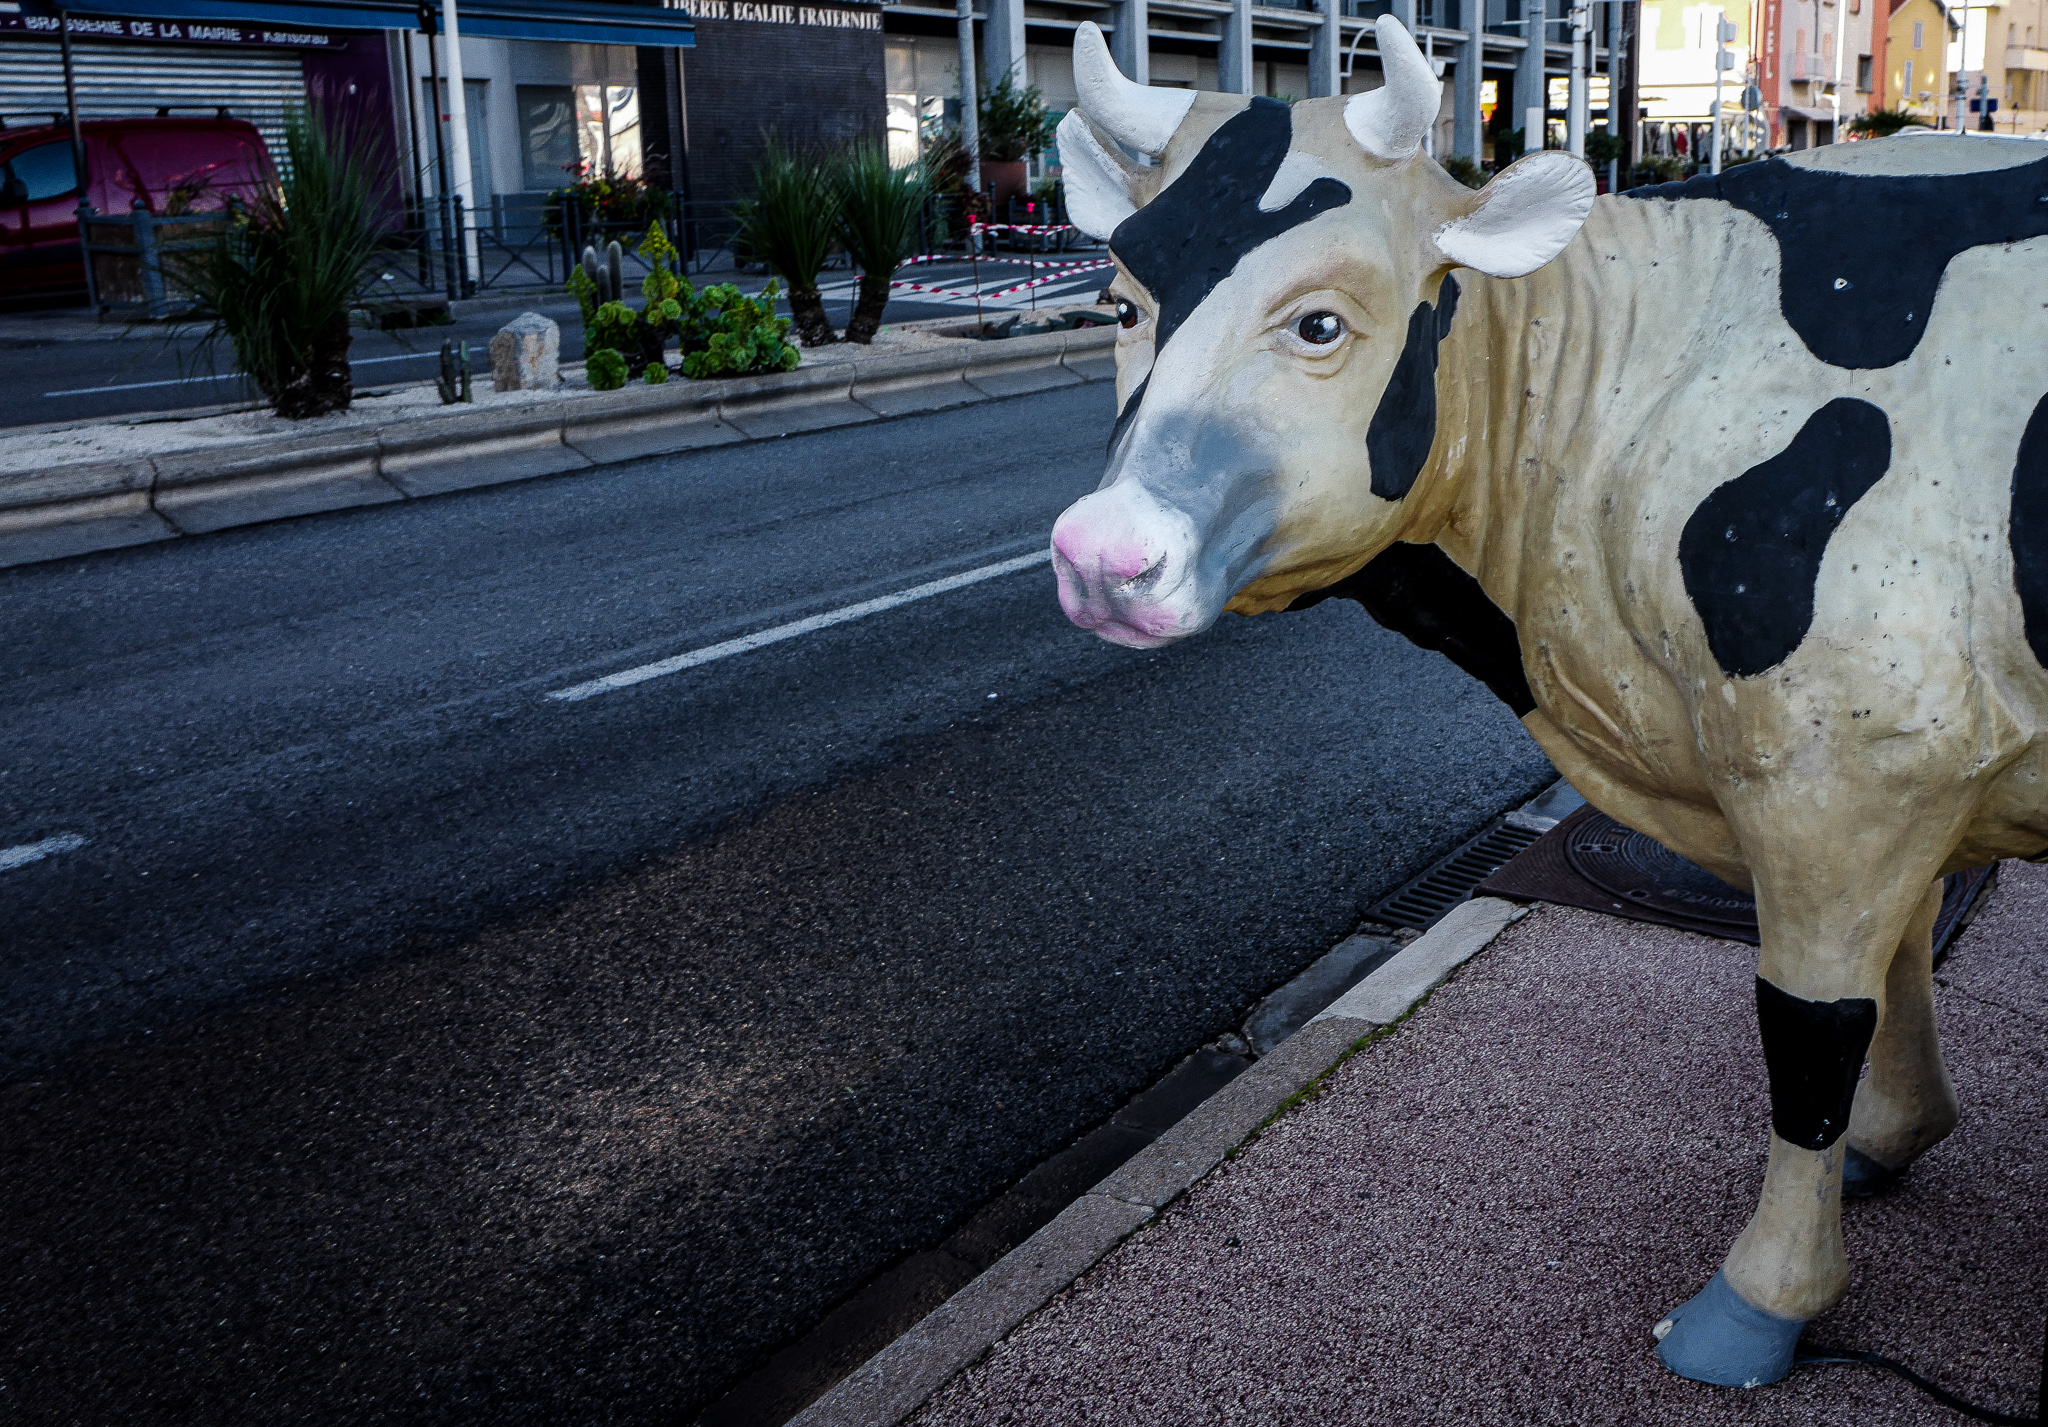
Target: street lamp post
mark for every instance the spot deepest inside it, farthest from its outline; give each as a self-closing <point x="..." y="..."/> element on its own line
<point x="970" y="105"/>
<point x="1724" y="31"/>
<point x="1575" y="97"/>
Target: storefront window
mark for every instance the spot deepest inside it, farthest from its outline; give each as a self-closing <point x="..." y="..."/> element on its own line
<point x="608" y="129"/>
<point x="547" y="129"/>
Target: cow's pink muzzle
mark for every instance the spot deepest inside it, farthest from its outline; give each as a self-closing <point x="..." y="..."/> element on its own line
<point x="1126" y="567"/>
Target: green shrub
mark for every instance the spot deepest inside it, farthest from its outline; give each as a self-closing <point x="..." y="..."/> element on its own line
<point x="656" y="375"/>
<point x="745" y="337"/>
<point x="1881" y="122"/>
<point x="790" y="223"/>
<point x="879" y="208"/>
<point x="1466" y="170"/>
<point x="278" y="282"/>
<point x="613" y="325"/>
<point x="605" y="369"/>
<point x="1603" y="148"/>
<point x="1012" y="123"/>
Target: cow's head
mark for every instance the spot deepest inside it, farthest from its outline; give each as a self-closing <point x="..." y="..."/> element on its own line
<point x="1274" y="263"/>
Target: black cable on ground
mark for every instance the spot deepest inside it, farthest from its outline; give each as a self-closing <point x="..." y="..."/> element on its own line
<point x="1819" y="1357"/>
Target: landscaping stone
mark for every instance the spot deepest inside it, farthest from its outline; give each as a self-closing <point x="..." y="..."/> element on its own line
<point x="526" y="354"/>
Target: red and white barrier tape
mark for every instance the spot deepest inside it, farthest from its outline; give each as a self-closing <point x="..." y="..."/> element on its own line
<point x="1069" y="272"/>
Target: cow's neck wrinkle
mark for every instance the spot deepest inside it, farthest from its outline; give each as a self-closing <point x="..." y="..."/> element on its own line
<point x="1545" y="380"/>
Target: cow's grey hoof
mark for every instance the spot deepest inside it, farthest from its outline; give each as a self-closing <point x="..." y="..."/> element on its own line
<point x="1716" y="1337"/>
<point x="1863" y="1176"/>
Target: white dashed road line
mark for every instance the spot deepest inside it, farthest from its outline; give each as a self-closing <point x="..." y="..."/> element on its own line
<point x="780" y="632"/>
<point x="27" y="852"/>
<point x="227" y="376"/>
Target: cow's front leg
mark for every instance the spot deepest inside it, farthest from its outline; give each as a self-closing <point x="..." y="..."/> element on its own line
<point x="1817" y="1011"/>
<point x="1906" y="1104"/>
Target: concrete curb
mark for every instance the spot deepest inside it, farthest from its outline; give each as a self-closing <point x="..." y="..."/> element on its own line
<point x="73" y="509"/>
<point x="895" y="1382"/>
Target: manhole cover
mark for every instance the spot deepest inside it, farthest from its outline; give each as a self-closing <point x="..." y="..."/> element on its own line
<point x="1628" y="864"/>
<point x="1590" y="860"/>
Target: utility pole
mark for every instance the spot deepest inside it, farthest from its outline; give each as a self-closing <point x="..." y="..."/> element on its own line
<point x="1724" y="31"/>
<point x="1613" y="89"/>
<point x="1628" y="86"/>
<point x="1835" y="98"/>
<point x="1575" y="94"/>
<point x="970" y="105"/>
<point x="458" y="138"/>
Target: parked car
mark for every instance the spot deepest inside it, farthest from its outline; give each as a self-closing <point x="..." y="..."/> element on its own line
<point x="173" y="165"/>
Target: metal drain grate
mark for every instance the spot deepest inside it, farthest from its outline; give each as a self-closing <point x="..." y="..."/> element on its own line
<point x="1424" y="901"/>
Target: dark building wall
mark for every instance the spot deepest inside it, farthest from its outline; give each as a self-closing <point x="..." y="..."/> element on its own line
<point x="355" y="82"/>
<point x="807" y="83"/>
<point x="661" y="115"/>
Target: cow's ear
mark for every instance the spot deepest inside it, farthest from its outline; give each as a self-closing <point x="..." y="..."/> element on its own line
<point x="1525" y="217"/>
<point x="1100" y="185"/>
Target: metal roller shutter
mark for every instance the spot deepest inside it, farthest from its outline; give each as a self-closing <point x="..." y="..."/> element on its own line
<point x="122" y="81"/>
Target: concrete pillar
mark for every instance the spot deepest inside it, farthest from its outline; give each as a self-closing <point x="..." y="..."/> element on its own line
<point x="1531" y="94"/>
<point x="1468" y="122"/>
<point x="1002" y="42"/>
<point x="1128" y="46"/>
<point x="1326" y="53"/>
<point x="1234" y="52"/>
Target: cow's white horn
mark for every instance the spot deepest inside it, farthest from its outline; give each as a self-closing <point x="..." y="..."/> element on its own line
<point x="1135" y="115"/>
<point x="1389" y="122"/>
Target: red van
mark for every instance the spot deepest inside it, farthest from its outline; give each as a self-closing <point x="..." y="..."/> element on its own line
<point x="175" y="165"/>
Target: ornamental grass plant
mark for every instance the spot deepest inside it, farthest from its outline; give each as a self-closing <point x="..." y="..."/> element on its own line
<point x="880" y="209"/>
<point x="278" y="284"/>
<point x="791" y="223"/>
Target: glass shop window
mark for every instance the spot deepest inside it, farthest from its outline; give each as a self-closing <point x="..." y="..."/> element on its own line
<point x="608" y="129"/>
<point x="547" y="135"/>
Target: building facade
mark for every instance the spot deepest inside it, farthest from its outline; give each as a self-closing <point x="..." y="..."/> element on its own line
<point x="1819" y="66"/>
<point x="1495" y="75"/>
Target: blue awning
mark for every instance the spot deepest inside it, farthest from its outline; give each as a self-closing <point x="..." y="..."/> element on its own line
<point x="588" y="22"/>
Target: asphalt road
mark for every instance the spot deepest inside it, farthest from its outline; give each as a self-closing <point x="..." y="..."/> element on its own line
<point x="62" y="367"/>
<point x="403" y="1045"/>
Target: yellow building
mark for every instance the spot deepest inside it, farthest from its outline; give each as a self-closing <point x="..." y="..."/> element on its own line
<point x="1916" y="57"/>
<point x="2001" y="50"/>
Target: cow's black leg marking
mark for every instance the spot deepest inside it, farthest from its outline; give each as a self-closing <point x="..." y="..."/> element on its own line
<point x="1420" y="593"/>
<point x="1859" y="256"/>
<point x="1192" y="236"/>
<point x="1404" y="424"/>
<point x="2029" y="533"/>
<point x="1751" y="553"/>
<point x="1814" y="1051"/>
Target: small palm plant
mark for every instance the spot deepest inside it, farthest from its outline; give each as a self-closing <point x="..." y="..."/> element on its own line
<point x="1880" y="122"/>
<point x="791" y="223"/>
<point x="879" y="210"/>
<point x="279" y="283"/>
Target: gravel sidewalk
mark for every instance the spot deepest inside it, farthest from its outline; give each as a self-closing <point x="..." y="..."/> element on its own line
<point x="1483" y="1215"/>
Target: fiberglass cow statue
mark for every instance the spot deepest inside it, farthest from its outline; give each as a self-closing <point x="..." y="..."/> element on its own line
<point x="1736" y="490"/>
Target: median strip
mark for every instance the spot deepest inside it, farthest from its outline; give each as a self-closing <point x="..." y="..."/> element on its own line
<point x="68" y="488"/>
<point x="625" y="678"/>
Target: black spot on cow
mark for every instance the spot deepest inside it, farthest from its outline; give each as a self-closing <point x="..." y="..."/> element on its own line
<point x="1192" y="236"/>
<point x="1404" y="424"/>
<point x="1124" y="417"/>
<point x="2030" y="529"/>
<point x="1859" y="257"/>
<point x="1421" y="594"/>
<point x="1813" y="1052"/>
<point x="1751" y="553"/>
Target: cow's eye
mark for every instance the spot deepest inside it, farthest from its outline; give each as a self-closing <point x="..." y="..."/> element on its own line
<point x="1126" y="312"/>
<point x="1321" y="328"/>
